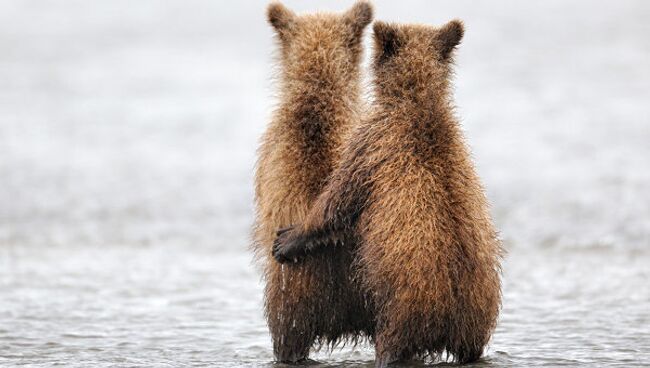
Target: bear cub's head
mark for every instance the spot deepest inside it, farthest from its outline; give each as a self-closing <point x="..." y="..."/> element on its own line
<point x="414" y="57"/>
<point x="322" y="46"/>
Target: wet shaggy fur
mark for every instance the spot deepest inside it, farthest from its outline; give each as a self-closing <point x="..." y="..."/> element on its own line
<point x="408" y="196"/>
<point x="319" y="80"/>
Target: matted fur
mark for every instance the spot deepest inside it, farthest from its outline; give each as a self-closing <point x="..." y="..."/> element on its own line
<point x="319" y="83"/>
<point x="407" y="193"/>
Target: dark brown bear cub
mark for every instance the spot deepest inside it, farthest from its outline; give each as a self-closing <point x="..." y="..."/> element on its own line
<point x="408" y="198"/>
<point x="315" y="301"/>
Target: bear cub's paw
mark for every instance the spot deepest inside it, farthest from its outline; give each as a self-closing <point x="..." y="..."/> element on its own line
<point x="288" y="246"/>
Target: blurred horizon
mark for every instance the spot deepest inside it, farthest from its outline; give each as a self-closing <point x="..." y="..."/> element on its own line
<point x="123" y="131"/>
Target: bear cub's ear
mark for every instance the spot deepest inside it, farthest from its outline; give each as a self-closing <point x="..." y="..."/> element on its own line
<point x="280" y="17"/>
<point x="387" y="40"/>
<point x="359" y="16"/>
<point x="449" y="36"/>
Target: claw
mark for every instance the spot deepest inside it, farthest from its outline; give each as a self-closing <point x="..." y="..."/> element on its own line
<point x="275" y="252"/>
<point x="283" y="230"/>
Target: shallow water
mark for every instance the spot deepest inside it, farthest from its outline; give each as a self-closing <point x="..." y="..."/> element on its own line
<point x="166" y="306"/>
<point x="127" y="138"/>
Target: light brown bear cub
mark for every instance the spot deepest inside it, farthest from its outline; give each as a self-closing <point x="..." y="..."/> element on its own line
<point x="407" y="195"/>
<point x="315" y="301"/>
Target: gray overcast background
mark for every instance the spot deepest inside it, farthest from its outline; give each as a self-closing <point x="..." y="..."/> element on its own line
<point x="128" y="132"/>
<point x="137" y="122"/>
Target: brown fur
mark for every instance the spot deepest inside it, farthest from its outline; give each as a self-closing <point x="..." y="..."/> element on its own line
<point x="314" y="301"/>
<point x="407" y="193"/>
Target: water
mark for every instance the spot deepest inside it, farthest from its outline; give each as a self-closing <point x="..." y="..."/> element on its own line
<point x="127" y="138"/>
